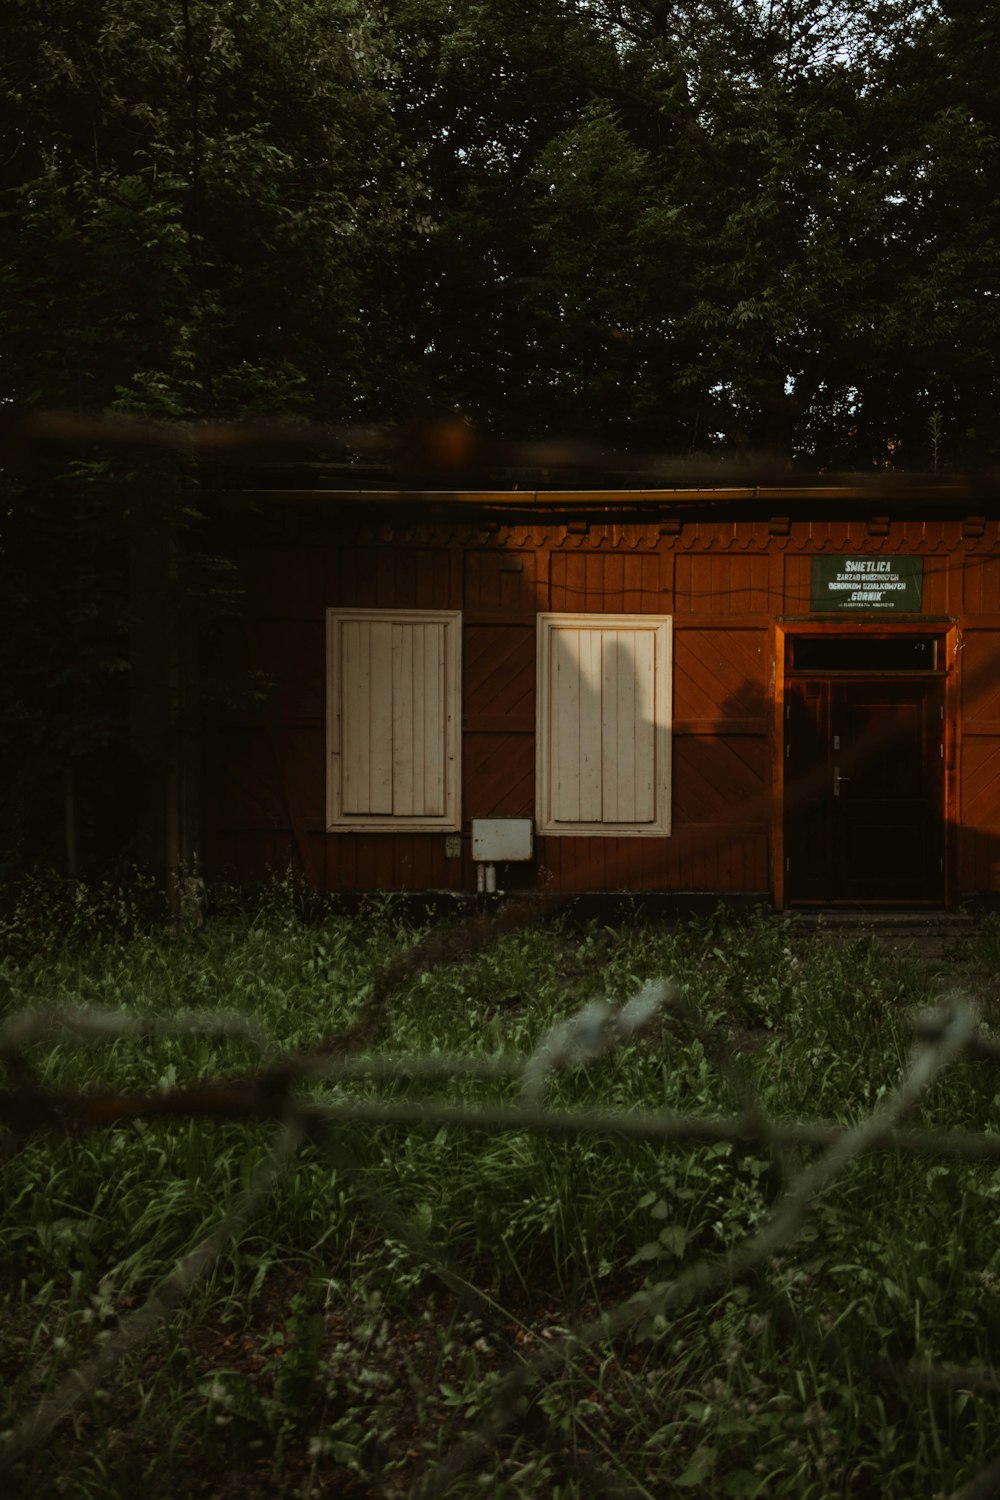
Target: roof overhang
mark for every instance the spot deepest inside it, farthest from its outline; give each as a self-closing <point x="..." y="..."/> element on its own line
<point x="953" y="496"/>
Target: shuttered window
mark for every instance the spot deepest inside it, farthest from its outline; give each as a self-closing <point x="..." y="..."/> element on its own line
<point x="603" y="756"/>
<point x="393" y="719"/>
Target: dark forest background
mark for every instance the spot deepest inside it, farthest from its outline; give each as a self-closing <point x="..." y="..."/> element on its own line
<point x="694" y="226"/>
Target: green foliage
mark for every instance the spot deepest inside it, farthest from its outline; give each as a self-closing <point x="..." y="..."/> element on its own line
<point x="43" y="911"/>
<point x="697" y="226"/>
<point x="334" y="1345"/>
<point x="195" y="197"/>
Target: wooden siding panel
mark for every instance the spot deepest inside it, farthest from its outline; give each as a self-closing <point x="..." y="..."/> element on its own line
<point x="981" y="781"/>
<point x="358" y="862"/>
<point x="356" y="578"/>
<point x="432" y="583"/>
<point x="499" y="776"/>
<point x="421" y="578"/>
<point x="386" y="590"/>
<point x="595" y="597"/>
<point x="285" y="583"/>
<point x="979" y="835"/>
<point x="502" y="579"/>
<point x="566" y="582"/>
<point x="498" y="708"/>
<point x="980" y="667"/>
<point x="710" y="859"/>
<point x="387" y="577"/>
<point x="608" y="572"/>
<point x="592" y="582"/>
<point x="722" y="674"/>
<point x="407" y="570"/>
<point x="272" y="778"/>
<point x="373" y="863"/>
<point x="419" y="863"/>
<point x="642" y="587"/>
<point x="942" y="588"/>
<point x="721" y="583"/>
<point x="981" y="585"/>
<point x="979" y="859"/>
<point x="341" y="864"/>
<point x="629" y="584"/>
<point x="498" y="673"/>
<point x="575" y="864"/>
<point x="705" y="859"/>
<point x="797" y="584"/>
<point x="721" y="778"/>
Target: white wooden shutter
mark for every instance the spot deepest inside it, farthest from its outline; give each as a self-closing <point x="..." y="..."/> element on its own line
<point x="603" y="731"/>
<point x="393" y="718"/>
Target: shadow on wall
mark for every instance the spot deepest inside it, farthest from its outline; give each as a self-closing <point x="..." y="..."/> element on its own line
<point x="603" y="749"/>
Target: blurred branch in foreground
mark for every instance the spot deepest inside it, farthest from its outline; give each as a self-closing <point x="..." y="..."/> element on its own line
<point x="452" y="450"/>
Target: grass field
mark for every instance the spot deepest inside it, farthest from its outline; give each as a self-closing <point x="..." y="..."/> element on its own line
<point x="414" y="1304"/>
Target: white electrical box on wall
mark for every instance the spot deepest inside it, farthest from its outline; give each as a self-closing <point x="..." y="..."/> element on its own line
<point x="499" y="840"/>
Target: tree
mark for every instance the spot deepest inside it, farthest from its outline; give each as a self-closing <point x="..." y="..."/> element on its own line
<point x="190" y="210"/>
<point x="712" y="224"/>
<point x="702" y="225"/>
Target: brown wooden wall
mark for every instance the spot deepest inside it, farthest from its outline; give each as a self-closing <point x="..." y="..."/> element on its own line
<point x="723" y="582"/>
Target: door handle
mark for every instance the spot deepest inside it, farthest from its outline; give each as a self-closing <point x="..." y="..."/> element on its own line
<point x="837" y="779"/>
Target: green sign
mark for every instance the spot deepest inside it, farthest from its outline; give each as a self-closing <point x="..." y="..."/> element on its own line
<point x="856" y="583"/>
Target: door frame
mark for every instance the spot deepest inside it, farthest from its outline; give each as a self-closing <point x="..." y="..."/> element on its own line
<point x="946" y="630"/>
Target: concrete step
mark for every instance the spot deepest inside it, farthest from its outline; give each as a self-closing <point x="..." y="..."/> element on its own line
<point x="928" y="935"/>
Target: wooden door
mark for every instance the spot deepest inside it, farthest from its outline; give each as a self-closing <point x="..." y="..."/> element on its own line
<point x="864" y="790"/>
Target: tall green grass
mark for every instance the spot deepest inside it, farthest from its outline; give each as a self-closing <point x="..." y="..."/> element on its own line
<point x="353" y="1355"/>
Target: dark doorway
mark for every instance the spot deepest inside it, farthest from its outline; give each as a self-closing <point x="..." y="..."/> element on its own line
<point x="864" y="789"/>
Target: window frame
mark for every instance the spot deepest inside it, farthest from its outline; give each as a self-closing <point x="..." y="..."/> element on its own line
<point x="449" y="821"/>
<point x="547" y="823"/>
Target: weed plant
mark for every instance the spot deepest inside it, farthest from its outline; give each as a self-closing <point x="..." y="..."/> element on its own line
<point x="365" y="1318"/>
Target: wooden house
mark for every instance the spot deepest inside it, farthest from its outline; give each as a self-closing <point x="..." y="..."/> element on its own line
<point x="788" y="693"/>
